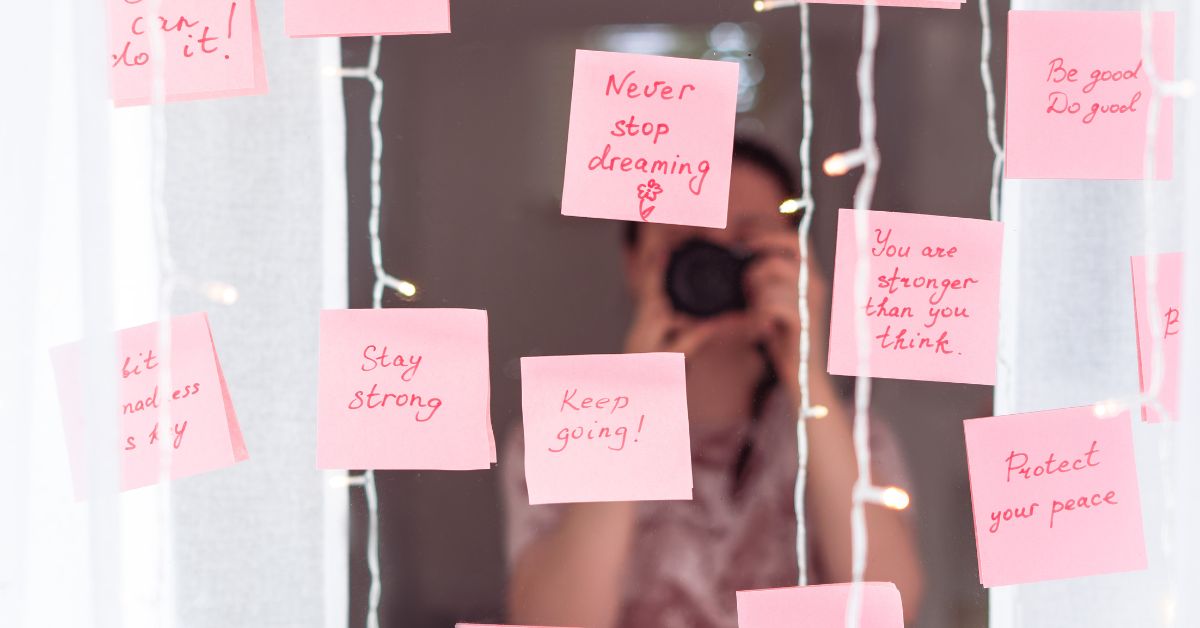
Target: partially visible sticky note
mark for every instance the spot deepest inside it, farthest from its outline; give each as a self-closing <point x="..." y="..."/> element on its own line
<point x="1055" y="495"/>
<point x="917" y="4"/>
<point x="1169" y="328"/>
<point x="606" y="428"/>
<point x="821" y="606"/>
<point x="1079" y="94"/>
<point x="404" y="389"/>
<point x="933" y="302"/>
<point x="204" y="433"/>
<point x="211" y="49"/>
<point x="651" y="139"/>
<point x="353" y="18"/>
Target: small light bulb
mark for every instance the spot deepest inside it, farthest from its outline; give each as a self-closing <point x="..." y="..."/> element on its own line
<point x="817" y="412"/>
<point x="759" y="6"/>
<point x="790" y="206"/>
<point x="894" y="498"/>
<point x="1108" y="409"/>
<point x="407" y="289"/>
<point x="220" y="292"/>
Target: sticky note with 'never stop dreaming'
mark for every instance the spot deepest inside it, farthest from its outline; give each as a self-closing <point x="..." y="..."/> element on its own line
<point x="819" y="606"/>
<point x="650" y="139"/>
<point x="404" y="389"/>
<point x="211" y="48"/>
<point x="354" y="18"/>
<point x="1166" y="336"/>
<point x="606" y="428"/>
<point x="202" y="429"/>
<point x="1079" y="95"/>
<point x="1054" y="495"/>
<point x="933" y="304"/>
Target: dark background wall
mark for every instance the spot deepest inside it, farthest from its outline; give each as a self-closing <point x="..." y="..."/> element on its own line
<point x="475" y="130"/>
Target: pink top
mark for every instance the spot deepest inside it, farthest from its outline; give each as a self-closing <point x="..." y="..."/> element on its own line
<point x="691" y="557"/>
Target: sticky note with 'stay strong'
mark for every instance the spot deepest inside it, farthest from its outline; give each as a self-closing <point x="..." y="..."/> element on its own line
<point x="1054" y="495"/>
<point x="404" y="389"/>
<point x="606" y="428"/>
<point x="204" y="432"/>
<point x="352" y="18"/>
<point x="934" y="300"/>
<point x="820" y="606"/>
<point x="650" y="139"/>
<point x="1079" y="95"/>
<point x="1168" y="335"/>
<point x="210" y="49"/>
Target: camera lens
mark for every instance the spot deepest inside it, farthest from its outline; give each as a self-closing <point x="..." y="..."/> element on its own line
<point x="705" y="279"/>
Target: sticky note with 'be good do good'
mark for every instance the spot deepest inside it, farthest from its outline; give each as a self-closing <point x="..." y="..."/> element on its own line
<point x="1079" y="95"/>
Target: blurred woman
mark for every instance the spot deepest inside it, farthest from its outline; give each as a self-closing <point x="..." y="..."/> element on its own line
<point x="678" y="564"/>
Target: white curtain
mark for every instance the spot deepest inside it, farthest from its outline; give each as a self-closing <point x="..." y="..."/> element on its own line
<point x="1068" y="333"/>
<point x="255" y="196"/>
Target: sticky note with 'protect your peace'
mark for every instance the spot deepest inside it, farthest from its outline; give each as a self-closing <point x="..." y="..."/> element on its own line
<point x="1054" y="495"/>
<point x="352" y="18"/>
<point x="1079" y="95"/>
<point x="933" y="300"/>
<point x="650" y="139"/>
<point x="404" y="389"/>
<point x="606" y="428"/>
<point x="201" y="428"/>
<point x="1159" y="331"/>
<point x="819" y="606"/>
<point x="208" y="49"/>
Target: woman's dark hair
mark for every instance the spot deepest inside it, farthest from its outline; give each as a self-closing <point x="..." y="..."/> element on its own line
<point x="749" y="152"/>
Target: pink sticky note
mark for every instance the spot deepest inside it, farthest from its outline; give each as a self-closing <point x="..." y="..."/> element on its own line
<point x="651" y="139"/>
<point x="211" y="49"/>
<point x="822" y="606"/>
<point x="352" y="18"/>
<point x="1170" y="302"/>
<point x="933" y="302"/>
<point x="1079" y="93"/>
<point x="1055" y="495"/>
<point x="204" y="436"/>
<point x="606" y="428"/>
<point x="404" y="389"/>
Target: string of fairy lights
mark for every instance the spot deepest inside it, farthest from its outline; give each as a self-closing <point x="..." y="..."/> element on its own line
<point x="866" y="155"/>
<point x="383" y="280"/>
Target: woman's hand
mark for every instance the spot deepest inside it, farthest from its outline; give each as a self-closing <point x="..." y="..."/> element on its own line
<point x="656" y="325"/>
<point x="773" y="296"/>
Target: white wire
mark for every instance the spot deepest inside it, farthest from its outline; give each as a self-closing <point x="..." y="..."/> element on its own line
<point x="863" y="197"/>
<point x="989" y="90"/>
<point x="382" y="279"/>
<point x="1153" y="393"/>
<point x="807" y="206"/>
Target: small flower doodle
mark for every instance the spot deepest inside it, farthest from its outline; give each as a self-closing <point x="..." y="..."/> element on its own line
<point x="647" y="191"/>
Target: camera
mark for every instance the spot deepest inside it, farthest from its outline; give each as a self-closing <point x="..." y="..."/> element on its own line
<point x="705" y="279"/>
